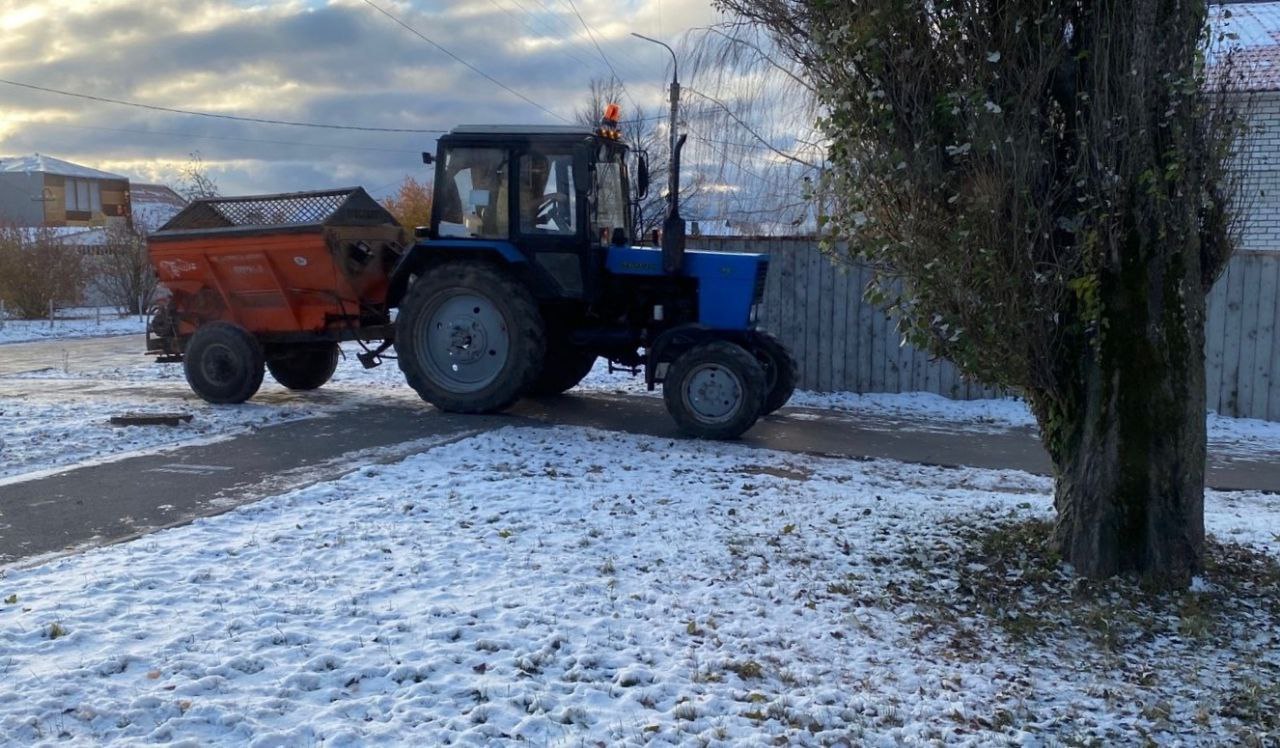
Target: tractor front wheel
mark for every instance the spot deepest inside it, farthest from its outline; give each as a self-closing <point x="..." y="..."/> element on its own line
<point x="305" y="367"/>
<point x="223" y="363"/>
<point x="469" y="338"/>
<point x="715" y="390"/>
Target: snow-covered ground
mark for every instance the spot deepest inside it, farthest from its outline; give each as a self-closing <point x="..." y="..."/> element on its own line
<point x="564" y="586"/>
<point x="71" y="323"/>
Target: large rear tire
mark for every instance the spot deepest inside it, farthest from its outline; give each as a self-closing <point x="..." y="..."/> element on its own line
<point x="715" y="390"/>
<point x="469" y="338"/>
<point x="562" y="369"/>
<point x="223" y="363"/>
<point x="305" y="367"/>
<point x="780" y="371"/>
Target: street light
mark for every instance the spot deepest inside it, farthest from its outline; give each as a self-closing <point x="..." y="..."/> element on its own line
<point x="673" y="227"/>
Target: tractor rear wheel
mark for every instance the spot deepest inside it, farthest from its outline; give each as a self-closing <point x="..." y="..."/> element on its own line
<point x="223" y="363"/>
<point x="715" y="390"/>
<point x="564" y="367"/>
<point x="779" y="369"/>
<point x="305" y="367"/>
<point x="469" y="338"/>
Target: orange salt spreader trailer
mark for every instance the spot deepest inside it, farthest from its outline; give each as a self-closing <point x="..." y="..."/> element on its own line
<point x="272" y="283"/>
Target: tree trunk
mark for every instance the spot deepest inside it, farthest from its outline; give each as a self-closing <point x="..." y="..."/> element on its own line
<point x="1127" y="433"/>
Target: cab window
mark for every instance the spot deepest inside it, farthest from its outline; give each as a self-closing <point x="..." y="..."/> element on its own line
<point x="609" y="197"/>
<point x="474" y="193"/>
<point x="548" y="196"/>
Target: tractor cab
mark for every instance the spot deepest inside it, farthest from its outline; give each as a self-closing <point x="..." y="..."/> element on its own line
<point x="549" y="197"/>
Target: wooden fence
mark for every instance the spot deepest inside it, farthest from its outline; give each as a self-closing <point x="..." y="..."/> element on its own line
<point x="842" y="343"/>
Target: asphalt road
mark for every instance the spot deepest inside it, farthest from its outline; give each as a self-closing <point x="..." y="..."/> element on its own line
<point x="124" y="499"/>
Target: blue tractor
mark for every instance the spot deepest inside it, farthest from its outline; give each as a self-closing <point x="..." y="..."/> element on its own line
<point x="530" y="271"/>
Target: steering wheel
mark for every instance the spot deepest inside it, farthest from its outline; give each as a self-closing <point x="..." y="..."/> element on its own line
<point x="555" y="207"/>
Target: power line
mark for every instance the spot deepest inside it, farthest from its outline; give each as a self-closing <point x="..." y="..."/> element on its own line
<point x="172" y="110"/>
<point x="468" y="65"/>
<point x="543" y="25"/>
<point x="603" y="56"/>
<point x="230" y="138"/>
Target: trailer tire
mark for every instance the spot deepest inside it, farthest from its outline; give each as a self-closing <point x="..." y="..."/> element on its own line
<point x="223" y="363"/>
<point x="715" y="390"/>
<point x="305" y="367"/>
<point x="564" y="367"/>
<point x="469" y="337"/>
<point x="780" y="370"/>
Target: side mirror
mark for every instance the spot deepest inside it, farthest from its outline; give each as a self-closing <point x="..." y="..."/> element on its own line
<point x="642" y="177"/>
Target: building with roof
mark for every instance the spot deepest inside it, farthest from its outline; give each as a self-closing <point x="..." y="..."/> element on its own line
<point x="39" y="190"/>
<point x="1251" y="31"/>
<point x="152" y="205"/>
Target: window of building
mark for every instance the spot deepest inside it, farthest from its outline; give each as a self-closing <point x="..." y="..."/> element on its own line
<point x="84" y="195"/>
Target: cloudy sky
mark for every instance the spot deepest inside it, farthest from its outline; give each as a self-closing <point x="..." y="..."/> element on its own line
<point x="323" y="61"/>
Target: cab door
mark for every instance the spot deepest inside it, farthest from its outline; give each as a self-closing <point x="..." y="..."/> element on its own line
<point x="550" y="222"/>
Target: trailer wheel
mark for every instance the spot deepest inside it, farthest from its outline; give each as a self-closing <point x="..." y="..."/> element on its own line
<point x="715" y="390"/>
<point x="564" y="367"/>
<point x="223" y="363"/>
<point x="305" y="367"/>
<point x="469" y="338"/>
<point x="779" y="369"/>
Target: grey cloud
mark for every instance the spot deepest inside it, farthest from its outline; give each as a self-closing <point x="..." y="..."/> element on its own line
<point x="353" y="65"/>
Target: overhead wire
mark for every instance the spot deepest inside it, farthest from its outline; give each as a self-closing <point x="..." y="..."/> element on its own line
<point x="543" y="26"/>
<point x="214" y="115"/>
<point x="460" y="60"/>
<point x="232" y="138"/>
<point x="591" y="35"/>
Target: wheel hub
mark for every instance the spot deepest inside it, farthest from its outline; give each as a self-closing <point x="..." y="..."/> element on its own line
<point x="465" y="342"/>
<point x="468" y="341"/>
<point x="713" y="392"/>
<point x="219" y="364"/>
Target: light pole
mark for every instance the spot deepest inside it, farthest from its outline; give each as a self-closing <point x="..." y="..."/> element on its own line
<point x="673" y="228"/>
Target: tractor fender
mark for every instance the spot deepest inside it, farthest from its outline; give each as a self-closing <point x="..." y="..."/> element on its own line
<point x="671" y="343"/>
<point x="419" y="259"/>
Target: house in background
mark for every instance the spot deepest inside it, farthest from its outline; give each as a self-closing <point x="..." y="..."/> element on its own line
<point x="153" y="205"/>
<point x="39" y="190"/>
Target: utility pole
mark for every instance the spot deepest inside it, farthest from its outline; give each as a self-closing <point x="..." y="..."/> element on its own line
<point x="673" y="229"/>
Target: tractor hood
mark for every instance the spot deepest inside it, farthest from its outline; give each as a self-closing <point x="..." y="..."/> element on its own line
<point x="729" y="283"/>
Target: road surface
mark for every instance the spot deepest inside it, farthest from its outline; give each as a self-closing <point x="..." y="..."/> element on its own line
<point x="113" y="501"/>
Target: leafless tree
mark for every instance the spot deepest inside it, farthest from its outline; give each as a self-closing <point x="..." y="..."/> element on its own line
<point x="37" y="270"/>
<point x="644" y="131"/>
<point x="122" y="272"/>
<point x="196" y="183"/>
